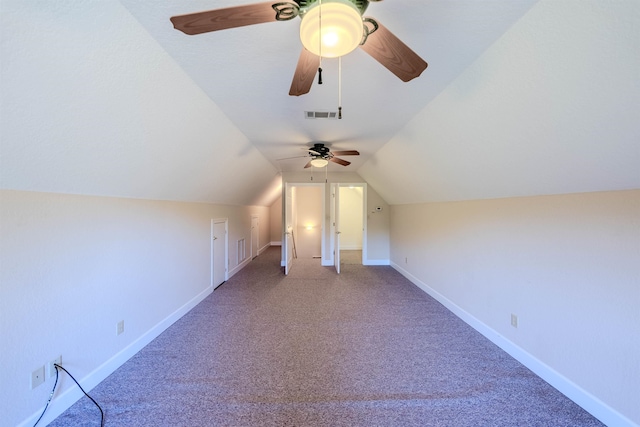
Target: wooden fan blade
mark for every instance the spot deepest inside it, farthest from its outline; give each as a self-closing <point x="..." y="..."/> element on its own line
<point x="346" y="153"/>
<point x="308" y="64"/>
<point x="222" y="19"/>
<point x="396" y="56"/>
<point x="340" y="161"/>
<point x="308" y="165"/>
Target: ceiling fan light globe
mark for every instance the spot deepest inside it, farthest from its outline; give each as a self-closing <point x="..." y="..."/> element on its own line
<point x="341" y="24"/>
<point x="319" y="162"/>
<point x="330" y="39"/>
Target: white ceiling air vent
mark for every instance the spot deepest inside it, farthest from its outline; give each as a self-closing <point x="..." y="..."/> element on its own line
<point x="321" y="114"/>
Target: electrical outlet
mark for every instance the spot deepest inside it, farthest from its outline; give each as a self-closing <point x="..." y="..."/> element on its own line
<point x="514" y="320"/>
<point x="52" y="369"/>
<point x="37" y="377"/>
<point x="120" y="327"/>
<point x="406" y="260"/>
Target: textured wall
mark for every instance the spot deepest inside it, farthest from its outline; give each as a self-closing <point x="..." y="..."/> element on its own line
<point x="276" y="220"/>
<point x="568" y="266"/>
<point x="74" y="266"/>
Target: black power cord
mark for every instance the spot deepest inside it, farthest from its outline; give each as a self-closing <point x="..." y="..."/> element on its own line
<point x="50" y="397"/>
<point x="58" y="367"/>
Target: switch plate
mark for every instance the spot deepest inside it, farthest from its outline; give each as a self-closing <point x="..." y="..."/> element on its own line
<point x="120" y="327"/>
<point x="514" y="320"/>
<point x="37" y="377"/>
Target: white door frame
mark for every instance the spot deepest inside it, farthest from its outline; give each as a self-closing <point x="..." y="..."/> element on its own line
<point x="287" y="247"/>
<point x="255" y="244"/>
<point x="364" y="221"/>
<point x="335" y="224"/>
<point x="213" y="239"/>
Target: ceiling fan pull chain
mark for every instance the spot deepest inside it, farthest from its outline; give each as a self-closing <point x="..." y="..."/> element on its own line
<point x="320" y="41"/>
<point x="339" y="87"/>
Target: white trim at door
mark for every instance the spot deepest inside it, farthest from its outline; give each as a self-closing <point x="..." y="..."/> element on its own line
<point x="219" y="243"/>
<point x="365" y="260"/>
<point x="287" y="216"/>
<point x="255" y="236"/>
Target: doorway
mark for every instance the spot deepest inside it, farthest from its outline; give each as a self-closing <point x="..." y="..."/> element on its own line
<point x="303" y="223"/>
<point x="351" y="213"/>
<point x="348" y="223"/>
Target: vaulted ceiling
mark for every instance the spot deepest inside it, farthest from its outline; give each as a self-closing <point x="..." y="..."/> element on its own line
<point x="247" y="71"/>
<point x="521" y="97"/>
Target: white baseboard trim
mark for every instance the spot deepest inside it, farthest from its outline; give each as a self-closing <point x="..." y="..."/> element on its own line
<point x="64" y="401"/>
<point x="276" y="243"/>
<point x="350" y="248"/>
<point x="239" y="267"/>
<point x="586" y="400"/>
<point x="376" y="262"/>
<point x="264" y="248"/>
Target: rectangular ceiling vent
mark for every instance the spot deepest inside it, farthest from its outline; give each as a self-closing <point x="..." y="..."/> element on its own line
<point x="321" y="114"/>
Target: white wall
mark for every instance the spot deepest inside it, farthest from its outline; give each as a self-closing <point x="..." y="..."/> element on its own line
<point x="377" y="223"/>
<point x="351" y="221"/>
<point x="276" y="222"/>
<point x="73" y="266"/>
<point x="568" y="266"/>
<point x="377" y="228"/>
<point x="308" y="208"/>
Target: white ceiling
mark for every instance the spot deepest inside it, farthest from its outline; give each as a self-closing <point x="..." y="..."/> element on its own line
<point x="247" y="71"/>
<point x="521" y="97"/>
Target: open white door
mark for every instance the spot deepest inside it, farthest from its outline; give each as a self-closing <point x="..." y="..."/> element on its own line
<point x="335" y="213"/>
<point x="287" y="238"/>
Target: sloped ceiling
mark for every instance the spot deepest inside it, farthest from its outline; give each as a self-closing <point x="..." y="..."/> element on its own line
<point x="247" y="71"/>
<point x="521" y="97"/>
<point x="92" y="105"/>
<point x="552" y="107"/>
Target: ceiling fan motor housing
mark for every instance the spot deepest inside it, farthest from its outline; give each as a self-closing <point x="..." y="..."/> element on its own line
<point x="306" y="4"/>
<point x="320" y="149"/>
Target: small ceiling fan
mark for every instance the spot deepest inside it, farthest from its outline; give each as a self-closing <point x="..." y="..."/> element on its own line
<point x="321" y="155"/>
<point x="329" y="28"/>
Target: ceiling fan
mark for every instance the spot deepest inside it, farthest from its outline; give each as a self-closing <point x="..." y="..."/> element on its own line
<point x="329" y="29"/>
<point x="321" y="155"/>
